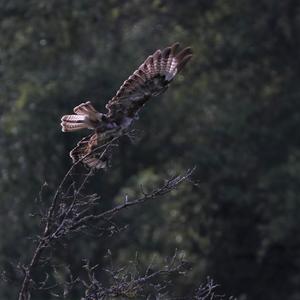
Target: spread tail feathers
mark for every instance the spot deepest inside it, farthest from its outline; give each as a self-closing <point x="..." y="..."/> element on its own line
<point x="86" y="117"/>
<point x="73" y="122"/>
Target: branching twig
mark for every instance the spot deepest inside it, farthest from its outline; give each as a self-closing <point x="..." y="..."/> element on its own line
<point x="48" y="233"/>
<point x="167" y="187"/>
<point x="126" y="283"/>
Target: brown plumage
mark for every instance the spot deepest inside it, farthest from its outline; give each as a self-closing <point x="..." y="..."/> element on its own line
<point x="151" y="79"/>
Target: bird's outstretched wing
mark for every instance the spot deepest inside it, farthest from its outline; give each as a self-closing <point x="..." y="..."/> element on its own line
<point x="150" y="79"/>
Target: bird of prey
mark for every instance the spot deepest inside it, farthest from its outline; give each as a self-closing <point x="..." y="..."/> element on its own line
<point x="151" y="79"/>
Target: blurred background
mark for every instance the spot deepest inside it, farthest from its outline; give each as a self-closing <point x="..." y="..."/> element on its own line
<point x="234" y="113"/>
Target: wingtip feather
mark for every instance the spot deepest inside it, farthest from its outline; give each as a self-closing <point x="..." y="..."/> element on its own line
<point x="184" y="62"/>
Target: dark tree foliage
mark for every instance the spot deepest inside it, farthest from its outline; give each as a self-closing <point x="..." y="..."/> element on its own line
<point x="234" y="113"/>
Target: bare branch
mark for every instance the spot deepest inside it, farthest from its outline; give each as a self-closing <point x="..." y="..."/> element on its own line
<point x="71" y="211"/>
<point x="167" y="187"/>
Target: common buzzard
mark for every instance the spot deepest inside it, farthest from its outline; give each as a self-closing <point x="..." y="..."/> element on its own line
<point x="151" y="79"/>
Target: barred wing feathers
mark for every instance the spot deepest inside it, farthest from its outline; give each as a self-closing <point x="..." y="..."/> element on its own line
<point x="150" y="79"/>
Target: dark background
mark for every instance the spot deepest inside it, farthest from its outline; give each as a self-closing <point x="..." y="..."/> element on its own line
<point x="234" y="112"/>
